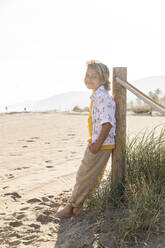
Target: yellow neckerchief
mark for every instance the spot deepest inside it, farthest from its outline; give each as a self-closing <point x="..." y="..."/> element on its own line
<point x="90" y="124"/>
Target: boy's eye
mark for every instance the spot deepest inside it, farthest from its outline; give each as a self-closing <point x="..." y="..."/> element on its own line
<point x="91" y="77"/>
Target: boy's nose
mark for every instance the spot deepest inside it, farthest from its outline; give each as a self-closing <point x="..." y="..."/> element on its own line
<point x="89" y="79"/>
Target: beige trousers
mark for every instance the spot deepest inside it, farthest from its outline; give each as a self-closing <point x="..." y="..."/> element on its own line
<point x="91" y="169"/>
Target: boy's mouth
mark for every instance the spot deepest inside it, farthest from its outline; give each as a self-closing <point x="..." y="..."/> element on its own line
<point x="89" y="84"/>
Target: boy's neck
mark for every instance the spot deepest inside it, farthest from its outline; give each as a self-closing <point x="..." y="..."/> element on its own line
<point x="94" y="90"/>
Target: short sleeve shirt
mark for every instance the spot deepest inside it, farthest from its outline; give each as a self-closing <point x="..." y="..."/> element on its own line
<point x="103" y="111"/>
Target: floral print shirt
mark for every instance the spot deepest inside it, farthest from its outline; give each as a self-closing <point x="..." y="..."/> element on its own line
<point x="103" y="111"/>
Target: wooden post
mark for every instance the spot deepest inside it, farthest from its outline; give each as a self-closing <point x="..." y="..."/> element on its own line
<point x="118" y="154"/>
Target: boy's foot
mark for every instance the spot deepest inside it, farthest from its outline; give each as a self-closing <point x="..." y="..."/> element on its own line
<point x="67" y="212"/>
<point x="63" y="214"/>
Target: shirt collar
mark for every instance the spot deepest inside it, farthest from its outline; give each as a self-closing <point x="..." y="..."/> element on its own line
<point x="100" y="89"/>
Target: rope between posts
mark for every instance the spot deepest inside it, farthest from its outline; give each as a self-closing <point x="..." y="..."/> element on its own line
<point x="142" y="96"/>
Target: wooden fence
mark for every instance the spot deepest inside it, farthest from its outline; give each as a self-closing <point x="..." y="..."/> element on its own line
<point x="119" y="93"/>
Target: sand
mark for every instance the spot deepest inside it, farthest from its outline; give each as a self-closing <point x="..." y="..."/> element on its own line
<point x="39" y="156"/>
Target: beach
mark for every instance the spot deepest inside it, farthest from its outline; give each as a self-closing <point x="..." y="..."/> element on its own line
<point x="39" y="156"/>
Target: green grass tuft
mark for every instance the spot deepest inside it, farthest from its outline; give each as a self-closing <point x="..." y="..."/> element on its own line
<point x="143" y="200"/>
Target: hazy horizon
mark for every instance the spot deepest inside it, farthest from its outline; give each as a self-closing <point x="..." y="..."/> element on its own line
<point x="155" y="82"/>
<point x="68" y="100"/>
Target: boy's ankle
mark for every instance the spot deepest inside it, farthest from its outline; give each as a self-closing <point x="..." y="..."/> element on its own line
<point x="76" y="211"/>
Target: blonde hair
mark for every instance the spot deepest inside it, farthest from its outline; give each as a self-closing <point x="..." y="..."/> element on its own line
<point x="102" y="70"/>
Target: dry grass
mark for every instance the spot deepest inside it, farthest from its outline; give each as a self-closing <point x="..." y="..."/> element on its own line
<point x="143" y="202"/>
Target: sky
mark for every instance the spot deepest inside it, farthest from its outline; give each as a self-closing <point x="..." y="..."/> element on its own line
<point x="44" y="44"/>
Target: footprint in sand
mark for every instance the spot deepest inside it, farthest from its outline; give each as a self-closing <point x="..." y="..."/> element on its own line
<point x="13" y="154"/>
<point x="25" y="167"/>
<point x="33" y="200"/>
<point x="43" y="204"/>
<point x="24" y="146"/>
<point x="29" y="239"/>
<point x="44" y="219"/>
<point x="20" y="217"/>
<point x="54" y="205"/>
<point x="45" y="199"/>
<point x="15" y="223"/>
<point x="50" y="196"/>
<point x="2" y="214"/>
<point x="14" y="243"/>
<point x="20" y="168"/>
<point x="10" y="176"/>
<point x="49" y="166"/>
<point x="14" y="195"/>
<point x="35" y="226"/>
<point x="28" y="242"/>
<point x="38" y="208"/>
<point x="22" y="209"/>
<point x="14" y="234"/>
<point x="71" y="134"/>
<point x="30" y="140"/>
<point x="48" y="161"/>
<point x="5" y="187"/>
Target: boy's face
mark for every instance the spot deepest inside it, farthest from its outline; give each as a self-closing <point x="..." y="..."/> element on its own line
<point x="92" y="79"/>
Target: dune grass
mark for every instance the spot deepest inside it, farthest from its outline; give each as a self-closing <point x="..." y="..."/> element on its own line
<point x="143" y="201"/>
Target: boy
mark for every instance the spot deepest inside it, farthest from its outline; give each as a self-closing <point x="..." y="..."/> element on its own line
<point x="102" y="125"/>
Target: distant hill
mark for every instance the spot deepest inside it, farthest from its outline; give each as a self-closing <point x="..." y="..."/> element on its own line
<point x="68" y="100"/>
<point x="148" y="84"/>
<point x="65" y="101"/>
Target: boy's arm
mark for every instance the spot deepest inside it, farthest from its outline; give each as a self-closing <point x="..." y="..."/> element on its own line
<point x="95" y="147"/>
